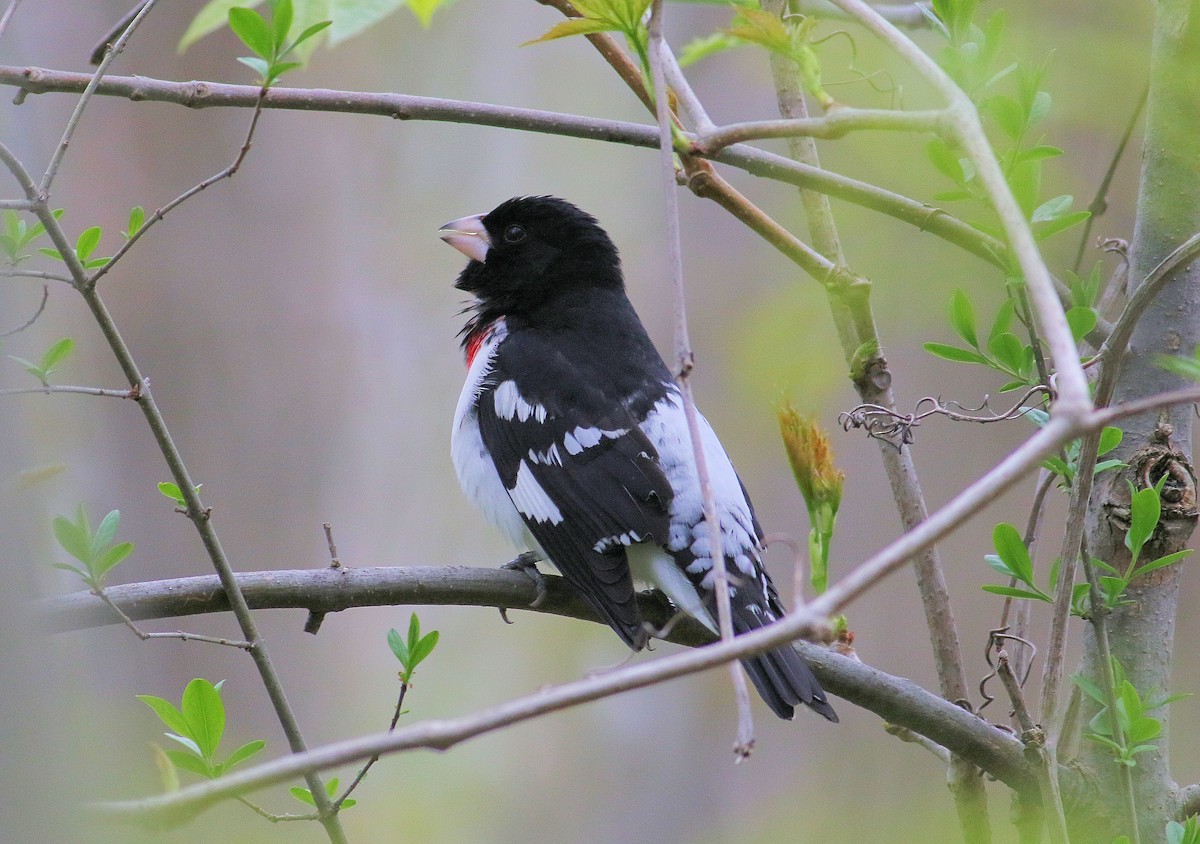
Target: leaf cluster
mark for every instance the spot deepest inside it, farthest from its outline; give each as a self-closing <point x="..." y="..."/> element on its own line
<point x="1137" y="729"/>
<point x="50" y="361"/>
<point x="412" y="650"/>
<point x="269" y="40"/>
<point x="96" y="550"/>
<point x="331" y="786"/>
<point x="198" y="723"/>
<point x="18" y="234"/>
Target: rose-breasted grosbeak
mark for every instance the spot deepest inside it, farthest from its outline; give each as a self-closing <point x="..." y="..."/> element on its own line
<point x="570" y="436"/>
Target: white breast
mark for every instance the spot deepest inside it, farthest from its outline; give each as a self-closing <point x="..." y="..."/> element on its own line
<point x="476" y="472"/>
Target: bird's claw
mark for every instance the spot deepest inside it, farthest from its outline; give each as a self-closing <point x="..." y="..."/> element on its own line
<point x="526" y="562"/>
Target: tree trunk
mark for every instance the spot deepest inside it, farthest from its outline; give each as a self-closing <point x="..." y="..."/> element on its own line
<point x="1168" y="212"/>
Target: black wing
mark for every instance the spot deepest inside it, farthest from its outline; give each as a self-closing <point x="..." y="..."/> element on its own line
<point x="585" y="479"/>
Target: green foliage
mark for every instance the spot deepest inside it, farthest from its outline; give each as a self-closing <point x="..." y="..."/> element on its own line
<point x="52" y="358"/>
<point x="1184" y="367"/>
<point x="18" y="234"/>
<point x="173" y="492"/>
<point x="970" y="57"/>
<point x="411" y="651"/>
<point x="137" y="218"/>
<point x="1012" y="560"/>
<point x="198" y="723"/>
<point x="274" y="55"/>
<point x="1187" y="832"/>
<point x="1137" y="729"/>
<point x="305" y="796"/>
<point x="95" y="550"/>
<point x="85" y="247"/>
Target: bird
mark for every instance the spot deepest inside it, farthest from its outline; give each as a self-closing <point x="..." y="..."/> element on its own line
<point x="570" y="437"/>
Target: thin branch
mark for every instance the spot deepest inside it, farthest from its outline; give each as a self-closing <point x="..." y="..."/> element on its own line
<point x="909" y="737"/>
<point x="907" y="15"/>
<point x="40" y="308"/>
<point x="15" y="205"/>
<point x="836" y="124"/>
<point x="88" y="92"/>
<point x="225" y="173"/>
<point x="8" y="14"/>
<point x="904" y="703"/>
<point x="177" y="634"/>
<point x="683" y="352"/>
<point x="86" y="391"/>
<point x="337" y="804"/>
<point x="936" y="221"/>
<point x="271" y="816"/>
<point x="38" y="274"/>
<point x="1034" y="739"/>
<point x="1099" y="203"/>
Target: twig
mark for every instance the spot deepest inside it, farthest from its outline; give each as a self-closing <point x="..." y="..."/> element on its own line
<point x="1034" y="739"/>
<point x="225" y="173"/>
<point x="337" y="804"/>
<point x="39" y="274"/>
<point x="8" y="13"/>
<point x="836" y="124"/>
<point x="315" y="618"/>
<point x="271" y="816"/>
<point x="891" y="426"/>
<point x="904" y="703"/>
<point x="908" y="736"/>
<point x="683" y="352"/>
<point x="178" y="634"/>
<point x="15" y="205"/>
<point x="40" y="308"/>
<point x="936" y="221"/>
<point x="908" y="15"/>
<point x="1108" y="680"/>
<point x="1099" y="203"/>
<point x="134" y="394"/>
<point x="85" y="98"/>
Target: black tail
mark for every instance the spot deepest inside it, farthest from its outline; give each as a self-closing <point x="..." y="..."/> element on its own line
<point x="781" y="676"/>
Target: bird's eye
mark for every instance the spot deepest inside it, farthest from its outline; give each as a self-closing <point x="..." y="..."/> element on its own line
<point x="514" y="234"/>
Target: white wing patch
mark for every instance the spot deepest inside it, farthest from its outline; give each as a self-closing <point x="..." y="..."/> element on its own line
<point x="531" y="500"/>
<point x="666" y="426"/>
<point x="577" y="441"/>
<point x="549" y="457"/>
<point x="610" y="542"/>
<point x="510" y="403"/>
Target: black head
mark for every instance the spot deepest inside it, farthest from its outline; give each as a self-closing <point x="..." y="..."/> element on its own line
<point x="532" y="250"/>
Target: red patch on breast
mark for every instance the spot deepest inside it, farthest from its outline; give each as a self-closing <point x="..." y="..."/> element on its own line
<point x="474" y="341"/>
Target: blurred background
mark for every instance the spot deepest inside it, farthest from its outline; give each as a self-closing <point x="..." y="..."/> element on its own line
<point x="299" y="326"/>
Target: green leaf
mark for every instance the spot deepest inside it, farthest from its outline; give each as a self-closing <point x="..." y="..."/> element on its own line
<point x="1008" y="114"/>
<point x="106" y="531"/>
<point x="945" y="160"/>
<point x="1082" y="321"/>
<point x="87" y="243"/>
<point x="1012" y="592"/>
<point x="73" y="538"/>
<point x="1038" y="153"/>
<point x="56" y="354"/>
<point x="249" y="26"/>
<point x="1161" y="562"/>
<point x="1052" y="209"/>
<point x="331" y="785"/>
<point x="998" y="564"/>
<point x="190" y="762"/>
<point x="1039" y="109"/>
<point x="1012" y="550"/>
<point x="573" y="26"/>
<point x="1183" y="366"/>
<point x="962" y="318"/>
<point x="1105" y="465"/>
<point x="1009" y="351"/>
<point x="137" y="218"/>
<point x="107" y="561"/>
<point x="259" y="66"/>
<point x="705" y="46"/>
<point x="1089" y="688"/>
<point x="167" y="713"/>
<point x="281" y="24"/>
<point x="1067" y="221"/>
<point x="424" y="10"/>
<point x="1110" y="438"/>
<point x="1004" y="318"/>
<point x="1144" y="511"/>
<point x="71" y="568"/>
<point x="953" y="353"/>
<point x="243" y="753"/>
<point x="396" y="643"/>
<point x="50" y="253"/>
<point x="209" y="19"/>
<point x="354" y="18"/>
<point x="349" y="803"/>
<point x="302" y="794"/>
<point x="319" y="26"/>
<point x="205" y="714"/>
<point x="424" y="648"/>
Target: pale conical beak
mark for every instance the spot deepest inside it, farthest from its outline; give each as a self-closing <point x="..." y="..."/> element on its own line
<point x="468" y="236"/>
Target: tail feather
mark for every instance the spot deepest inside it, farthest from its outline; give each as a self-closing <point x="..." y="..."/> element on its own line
<point x="781" y="676"/>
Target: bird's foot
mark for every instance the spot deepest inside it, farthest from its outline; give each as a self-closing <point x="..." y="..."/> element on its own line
<point x="526" y="562"/>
